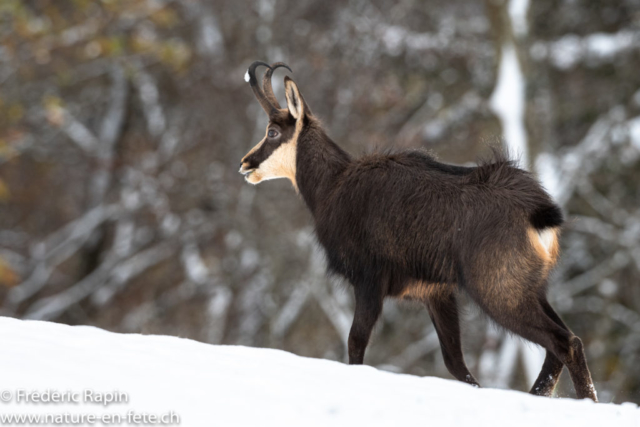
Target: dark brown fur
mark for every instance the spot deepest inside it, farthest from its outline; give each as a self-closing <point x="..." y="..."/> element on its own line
<point x="407" y="226"/>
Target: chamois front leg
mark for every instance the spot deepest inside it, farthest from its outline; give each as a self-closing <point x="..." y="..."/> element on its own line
<point x="443" y="310"/>
<point x="368" y="308"/>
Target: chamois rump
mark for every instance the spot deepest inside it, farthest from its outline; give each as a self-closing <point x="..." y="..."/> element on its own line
<point x="406" y="226"/>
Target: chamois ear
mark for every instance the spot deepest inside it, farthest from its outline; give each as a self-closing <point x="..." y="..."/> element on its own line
<point x="295" y="103"/>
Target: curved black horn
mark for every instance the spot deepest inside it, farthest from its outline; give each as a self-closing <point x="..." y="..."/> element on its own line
<point x="267" y="106"/>
<point x="266" y="82"/>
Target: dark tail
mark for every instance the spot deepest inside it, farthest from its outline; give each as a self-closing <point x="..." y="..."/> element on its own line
<point x="546" y="216"/>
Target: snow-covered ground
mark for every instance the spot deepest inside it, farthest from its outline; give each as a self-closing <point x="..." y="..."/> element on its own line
<point x="210" y="386"/>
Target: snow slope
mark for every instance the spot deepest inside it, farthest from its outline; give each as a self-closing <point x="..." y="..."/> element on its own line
<point x="212" y="386"/>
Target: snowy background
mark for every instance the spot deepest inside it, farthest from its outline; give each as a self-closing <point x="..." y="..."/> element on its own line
<point x="122" y="124"/>
<point x="205" y="385"/>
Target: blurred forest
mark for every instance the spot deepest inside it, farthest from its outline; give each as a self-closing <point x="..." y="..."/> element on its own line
<point x="122" y="124"/>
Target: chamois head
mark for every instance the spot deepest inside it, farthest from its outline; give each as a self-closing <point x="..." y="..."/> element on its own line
<point x="275" y="156"/>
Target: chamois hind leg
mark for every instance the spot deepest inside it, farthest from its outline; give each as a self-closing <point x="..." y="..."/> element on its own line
<point x="524" y="314"/>
<point x="552" y="366"/>
<point x="443" y="310"/>
<point x="548" y="377"/>
<point x="368" y="307"/>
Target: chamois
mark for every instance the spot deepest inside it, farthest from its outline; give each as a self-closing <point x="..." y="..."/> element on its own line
<point x="404" y="225"/>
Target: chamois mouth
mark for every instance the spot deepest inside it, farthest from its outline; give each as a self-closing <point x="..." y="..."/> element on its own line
<point x="246" y="172"/>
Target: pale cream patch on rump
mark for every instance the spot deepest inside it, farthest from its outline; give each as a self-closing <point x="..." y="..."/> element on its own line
<point x="545" y="243"/>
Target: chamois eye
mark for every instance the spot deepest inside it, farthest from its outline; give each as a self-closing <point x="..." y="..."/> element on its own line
<point x="272" y="133"/>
